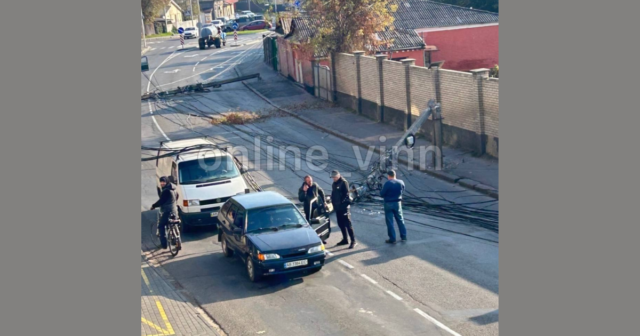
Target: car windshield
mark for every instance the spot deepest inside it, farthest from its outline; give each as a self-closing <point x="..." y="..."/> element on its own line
<point x="215" y="22"/>
<point x="207" y="170"/>
<point x="278" y="217"/>
<point x="190" y="28"/>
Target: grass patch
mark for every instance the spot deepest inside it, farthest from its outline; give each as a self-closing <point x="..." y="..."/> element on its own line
<point x="246" y="32"/>
<point x="160" y="35"/>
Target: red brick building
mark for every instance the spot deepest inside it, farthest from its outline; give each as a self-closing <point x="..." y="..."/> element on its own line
<point x="465" y="38"/>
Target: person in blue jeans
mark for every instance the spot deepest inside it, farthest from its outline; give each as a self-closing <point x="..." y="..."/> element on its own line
<point x="392" y="194"/>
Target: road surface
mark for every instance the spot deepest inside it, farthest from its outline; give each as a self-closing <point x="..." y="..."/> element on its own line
<point x="441" y="282"/>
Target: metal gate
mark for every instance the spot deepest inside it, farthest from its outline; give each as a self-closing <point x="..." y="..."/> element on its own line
<point x="322" y="79"/>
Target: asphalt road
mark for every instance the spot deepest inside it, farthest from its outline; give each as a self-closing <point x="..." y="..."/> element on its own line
<point x="441" y="282"/>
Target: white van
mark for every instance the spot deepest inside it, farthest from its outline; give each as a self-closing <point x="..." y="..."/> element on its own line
<point x="205" y="178"/>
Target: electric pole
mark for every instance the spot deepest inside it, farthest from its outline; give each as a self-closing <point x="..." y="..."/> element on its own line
<point x="144" y="34"/>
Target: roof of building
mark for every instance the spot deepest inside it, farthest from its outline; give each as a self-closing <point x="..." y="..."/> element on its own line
<point x="416" y="14"/>
<point x="304" y="28"/>
<point x="261" y="199"/>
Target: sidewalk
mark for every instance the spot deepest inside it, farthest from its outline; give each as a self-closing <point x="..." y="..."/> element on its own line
<point x="165" y="311"/>
<point x="478" y="173"/>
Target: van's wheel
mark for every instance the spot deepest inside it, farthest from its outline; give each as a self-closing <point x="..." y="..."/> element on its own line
<point x="201" y="43"/>
<point x="251" y="271"/>
<point x="225" y="249"/>
<point x="217" y="43"/>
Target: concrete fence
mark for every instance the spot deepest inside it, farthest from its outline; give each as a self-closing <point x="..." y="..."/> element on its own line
<point x="396" y="92"/>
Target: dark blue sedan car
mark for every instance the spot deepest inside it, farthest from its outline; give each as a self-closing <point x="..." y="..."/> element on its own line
<point x="270" y="234"/>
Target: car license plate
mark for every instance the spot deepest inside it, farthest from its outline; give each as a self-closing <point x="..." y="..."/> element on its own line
<point x="214" y="214"/>
<point x="296" y="263"/>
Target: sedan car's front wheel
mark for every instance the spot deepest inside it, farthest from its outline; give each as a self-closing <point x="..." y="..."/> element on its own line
<point x="251" y="271"/>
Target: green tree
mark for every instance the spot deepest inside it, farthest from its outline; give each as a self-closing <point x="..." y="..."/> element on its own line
<point x="151" y="9"/>
<point x="184" y="4"/>
<point x="348" y="25"/>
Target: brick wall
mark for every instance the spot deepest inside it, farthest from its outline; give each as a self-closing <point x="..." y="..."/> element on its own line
<point x="346" y="74"/>
<point x="460" y="103"/>
<point x="369" y="79"/>
<point x="422" y="88"/>
<point x="459" y="94"/>
<point x="282" y="57"/>
<point x="491" y="94"/>
<point x="395" y="92"/>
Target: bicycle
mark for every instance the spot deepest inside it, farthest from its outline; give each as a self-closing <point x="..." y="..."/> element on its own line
<point x="172" y="234"/>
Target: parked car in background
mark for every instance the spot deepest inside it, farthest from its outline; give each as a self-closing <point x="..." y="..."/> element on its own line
<point x="257" y="25"/>
<point x="217" y="23"/>
<point x="247" y="13"/>
<point x="258" y="17"/>
<point x="191" y="32"/>
<point x="242" y="21"/>
<point x="224" y="19"/>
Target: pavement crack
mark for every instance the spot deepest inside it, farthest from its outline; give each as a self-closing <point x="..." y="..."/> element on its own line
<point x="404" y="292"/>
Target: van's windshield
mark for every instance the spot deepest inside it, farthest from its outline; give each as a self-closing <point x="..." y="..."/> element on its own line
<point x="207" y="170"/>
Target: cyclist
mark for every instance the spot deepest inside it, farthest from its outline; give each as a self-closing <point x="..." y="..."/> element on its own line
<point x="168" y="207"/>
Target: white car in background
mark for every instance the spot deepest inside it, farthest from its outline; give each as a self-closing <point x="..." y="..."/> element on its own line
<point x="191" y="32"/>
<point x="248" y="13"/>
<point x="217" y="23"/>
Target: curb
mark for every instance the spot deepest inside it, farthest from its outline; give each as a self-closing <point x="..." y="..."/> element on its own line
<point x="467" y="183"/>
<point x="160" y="38"/>
<point x="184" y="294"/>
<point x="144" y="50"/>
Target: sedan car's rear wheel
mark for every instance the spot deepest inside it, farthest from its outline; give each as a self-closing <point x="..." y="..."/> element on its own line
<point x="251" y="271"/>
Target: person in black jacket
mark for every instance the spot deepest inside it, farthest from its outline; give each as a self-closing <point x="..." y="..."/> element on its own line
<point x="308" y="192"/>
<point x="167" y="205"/>
<point x="341" y="204"/>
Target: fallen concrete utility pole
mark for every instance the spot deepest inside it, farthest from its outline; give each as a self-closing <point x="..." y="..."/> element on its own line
<point x="199" y="87"/>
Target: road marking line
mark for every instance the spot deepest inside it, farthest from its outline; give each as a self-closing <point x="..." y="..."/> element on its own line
<point x="394" y="295"/>
<point x="162" y="47"/>
<point x="329" y="254"/>
<point x="146" y="281"/>
<point x="189" y="56"/>
<point x="369" y="279"/>
<point x="194" y="67"/>
<point x="152" y="325"/>
<point x="153" y="48"/>
<point x="165" y="319"/>
<point x="149" y="102"/>
<point x="436" y="322"/>
<point x="345" y="264"/>
<point x="171" y="47"/>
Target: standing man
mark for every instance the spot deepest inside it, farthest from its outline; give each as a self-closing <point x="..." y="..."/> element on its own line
<point x="310" y="192"/>
<point x="392" y="194"/>
<point x="167" y="205"/>
<point x="341" y="203"/>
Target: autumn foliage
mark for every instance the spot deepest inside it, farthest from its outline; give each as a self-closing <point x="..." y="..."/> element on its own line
<point x="348" y="25"/>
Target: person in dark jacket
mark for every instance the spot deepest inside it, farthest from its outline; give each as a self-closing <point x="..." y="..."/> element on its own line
<point x="310" y="192"/>
<point x="341" y="204"/>
<point x="392" y="193"/>
<point x="167" y="205"/>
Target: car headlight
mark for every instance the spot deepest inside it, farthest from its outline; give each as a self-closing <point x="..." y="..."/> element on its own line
<point x="192" y="202"/>
<point x="267" y="256"/>
<point x="316" y="249"/>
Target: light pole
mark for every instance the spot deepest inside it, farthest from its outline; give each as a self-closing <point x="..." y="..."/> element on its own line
<point x="199" y="13"/>
<point x="144" y="34"/>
